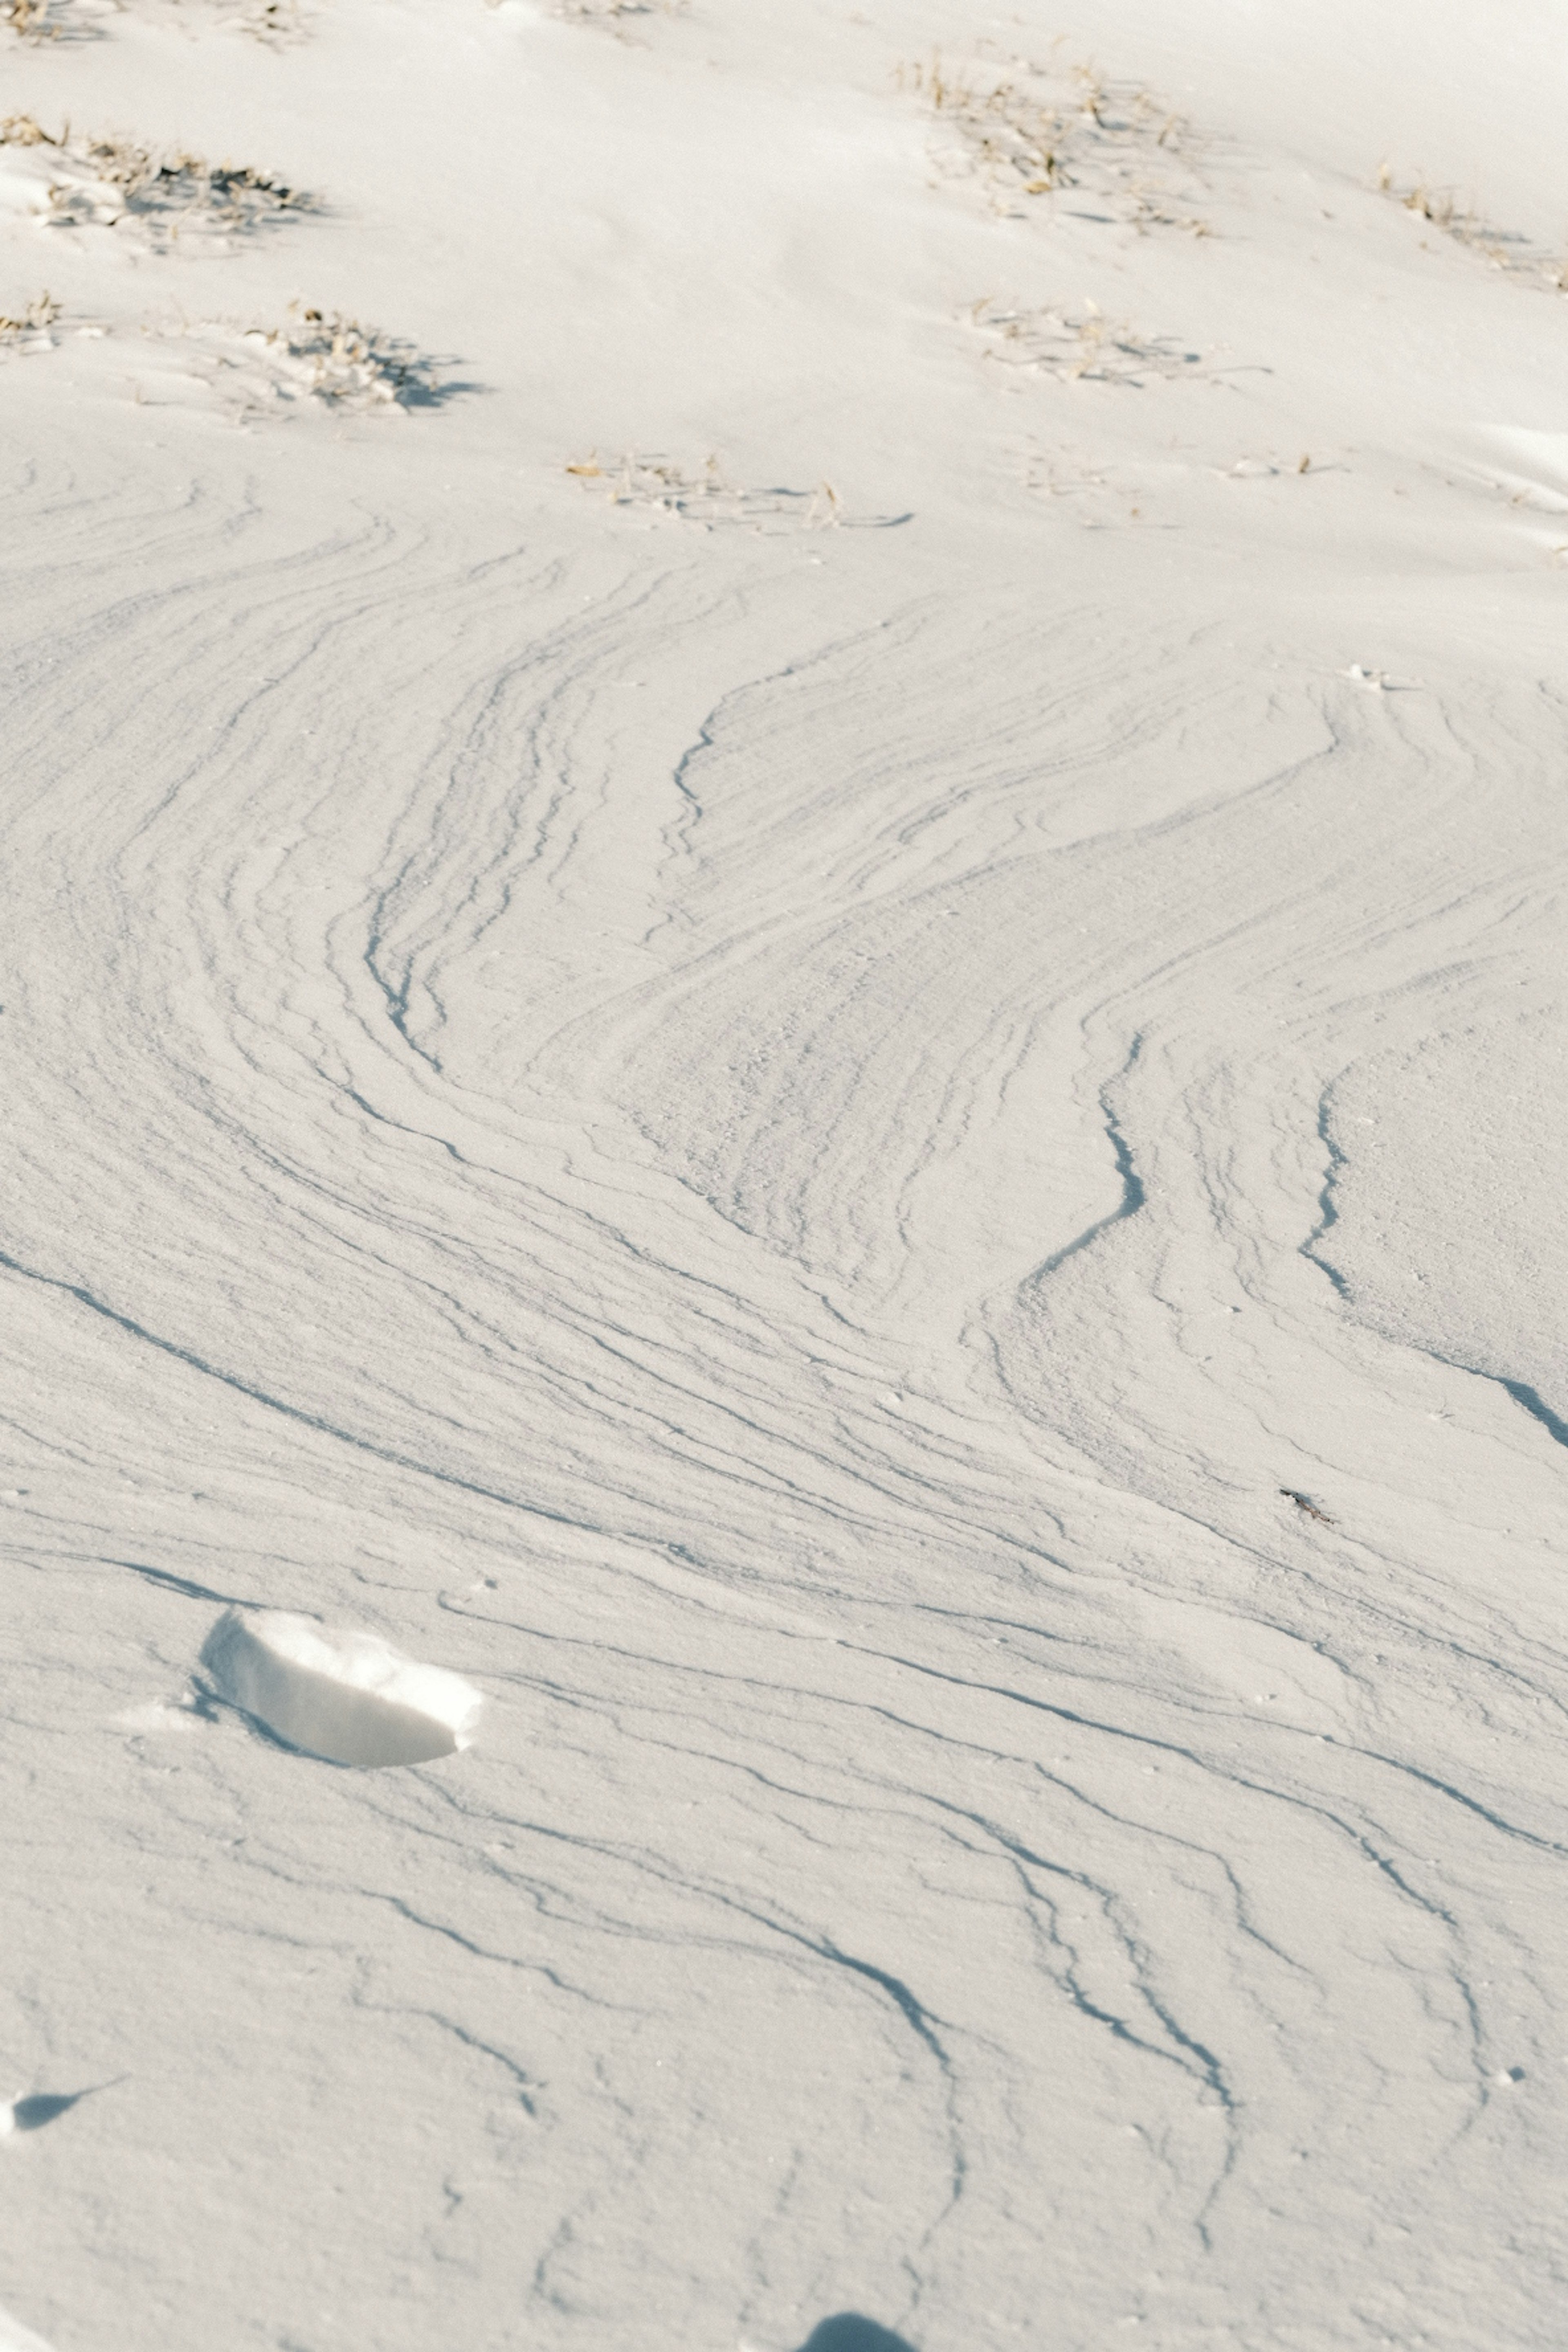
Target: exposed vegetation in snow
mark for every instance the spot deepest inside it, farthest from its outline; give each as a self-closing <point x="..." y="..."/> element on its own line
<point x="336" y="360"/>
<point x="1026" y="130"/>
<point x="1506" y="250"/>
<point x="1081" y="344"/>
<point x="658" y="485"/>
<point x="31" y="318"/>
<point x="157" y="197"/>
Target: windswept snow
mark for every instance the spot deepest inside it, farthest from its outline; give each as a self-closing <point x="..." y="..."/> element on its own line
<point x="783" y="961"/>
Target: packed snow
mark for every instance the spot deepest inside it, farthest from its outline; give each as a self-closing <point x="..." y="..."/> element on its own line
<point x="783" y="985"/>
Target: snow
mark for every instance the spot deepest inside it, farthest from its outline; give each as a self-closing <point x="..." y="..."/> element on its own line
<point x="783" y="966"/>
<point x="346" y="1696"/>
<point x="14" y="2338"/>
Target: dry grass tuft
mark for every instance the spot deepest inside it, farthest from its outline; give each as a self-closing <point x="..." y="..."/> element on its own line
<point x="1080" y="347"/>
<point x="325" y="356"/>
<point x="1033" y="130"/>
<point x="118" y="184"/>
<point x="611" y="12"/>
<point x="660" y="487"/>
<point x="275" y="22"/>
<point x="39" y="315"/>
<point x="1506" y="249"/>
<point x="34" y="20"/>
<point x="602" y="9"/>
<point x="265" y="374"/>
<point x="49" y="20"/>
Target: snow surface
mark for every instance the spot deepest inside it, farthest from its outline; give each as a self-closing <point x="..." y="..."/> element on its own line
<point x="783" y="963"/>
<point x="14" y="2338"/>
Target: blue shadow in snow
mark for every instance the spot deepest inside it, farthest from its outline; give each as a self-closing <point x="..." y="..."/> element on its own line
<point x="43" y="2107"/>
<point x="847" y="2332"/>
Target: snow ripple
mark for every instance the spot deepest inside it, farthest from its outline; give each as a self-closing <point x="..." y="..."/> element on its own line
<point x="762" y="1219"/>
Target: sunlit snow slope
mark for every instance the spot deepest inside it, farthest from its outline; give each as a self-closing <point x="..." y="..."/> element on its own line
<point x="783" y="966"/>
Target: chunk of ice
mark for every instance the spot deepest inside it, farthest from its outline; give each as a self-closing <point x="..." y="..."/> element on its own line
<point x="348" y="1696"/>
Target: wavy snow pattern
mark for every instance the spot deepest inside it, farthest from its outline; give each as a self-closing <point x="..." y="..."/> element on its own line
<point x="741" y="1138"/>
<point x="838" y="1369"/>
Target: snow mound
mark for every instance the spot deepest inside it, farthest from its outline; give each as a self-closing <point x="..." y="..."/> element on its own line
<point x="348" y="1696"/>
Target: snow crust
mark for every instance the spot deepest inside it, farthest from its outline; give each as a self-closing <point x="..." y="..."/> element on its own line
<point x="347" y="1696"/>
<point x="781" y="863"/>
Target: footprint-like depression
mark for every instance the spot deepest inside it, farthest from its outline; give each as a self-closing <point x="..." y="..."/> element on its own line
<point x="343" y="1695"/>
